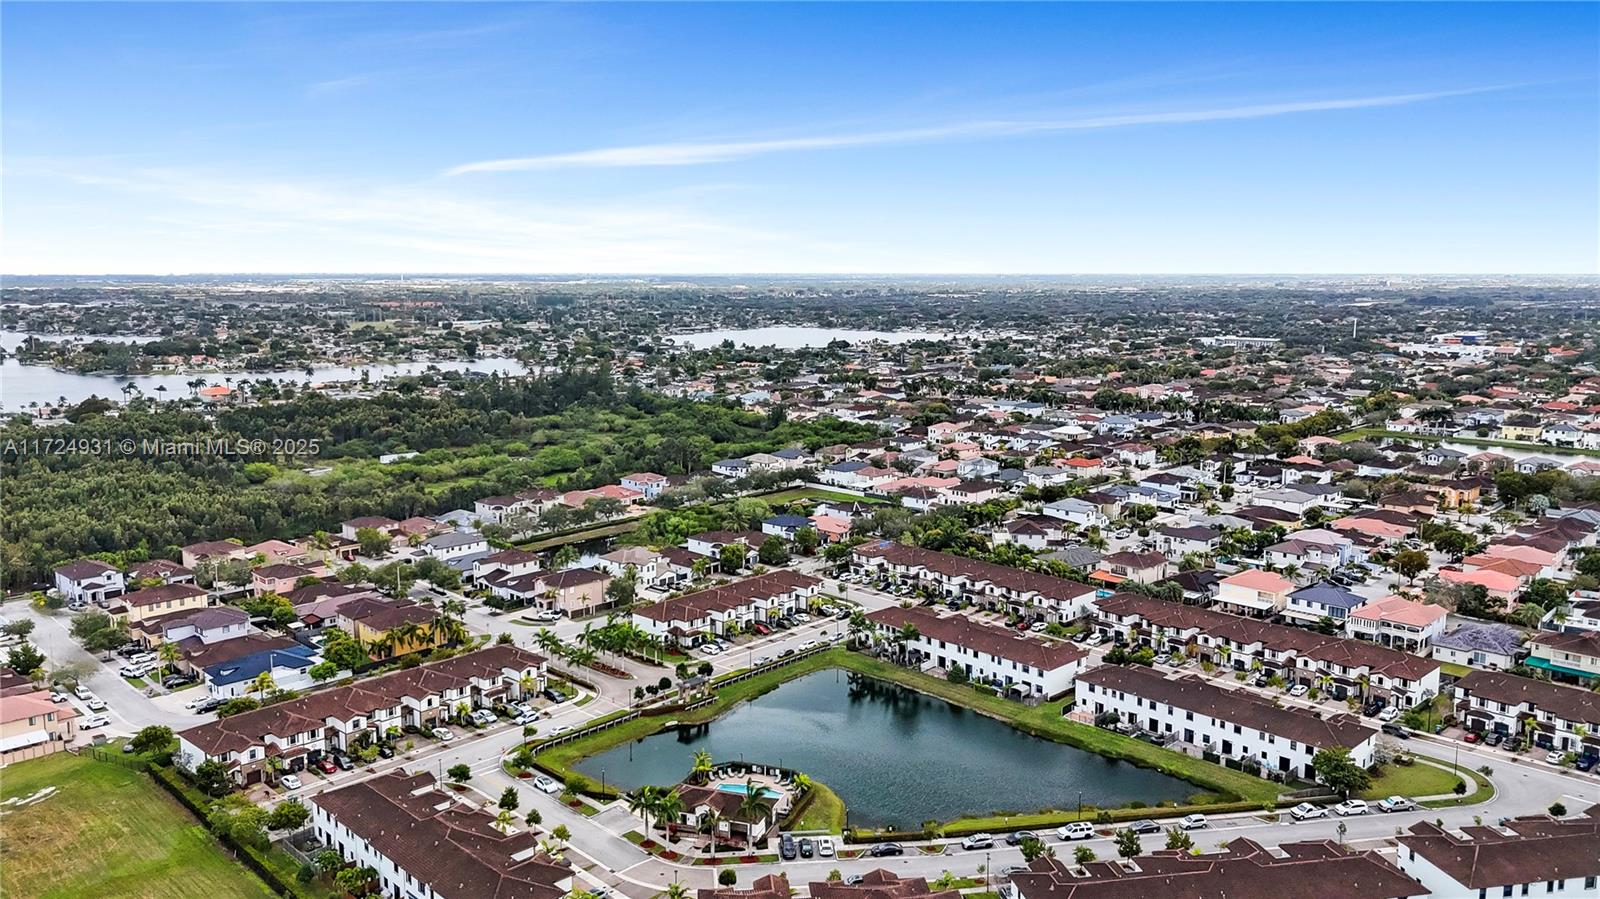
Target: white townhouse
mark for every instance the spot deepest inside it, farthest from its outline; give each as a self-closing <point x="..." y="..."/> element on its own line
<point x="89" y="580"/>
<point x="1231" y="724"/>
<point x="456" y="545"/>
<point x="428" y="843"/>
<point x="732" y="607"/>
<point x="1397" y="622"/>
<point x="647" y="482"/>
<point x="998" y="656"/>
<point x="1077" y="511"/>
<point x="1021" y="592"/>
<point x="1533" y="856"/>
<point x="297" y="730"/>
<point x="1551" y="716"/>
<point x="1339" y="665"/>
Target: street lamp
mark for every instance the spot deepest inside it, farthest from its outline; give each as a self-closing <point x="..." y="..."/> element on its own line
<point x="986" y="867"/>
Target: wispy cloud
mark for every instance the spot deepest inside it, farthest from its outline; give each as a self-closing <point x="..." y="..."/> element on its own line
<point x="704" y="152"/>
<point x="340" y="85"/>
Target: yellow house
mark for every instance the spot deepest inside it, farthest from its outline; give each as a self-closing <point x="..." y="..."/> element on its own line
<point x="1525" y="432"/>
<point x="157" y="602"/>
<point x="398" y="628"/>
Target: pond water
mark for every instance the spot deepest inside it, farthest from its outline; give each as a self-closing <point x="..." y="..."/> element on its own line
<point x="895" y="756"/>
<point x="786" y="337"/>
<point x="21" y="384"/>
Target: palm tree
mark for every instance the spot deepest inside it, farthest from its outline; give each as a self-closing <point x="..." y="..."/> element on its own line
<point x="669" y="808"/>
<point x="701" y="768"/>
<point x="168" y="653"/>
<point x="642" y="802"/>
<point x="710" y="824"/>
<point x="676" y="890"/>
<point x="906" y="634"/>
<point x="503" y="821"/>
<point x="547" y="640"/>
<point x="264" y="683"/>
<point x="752" y="805"/>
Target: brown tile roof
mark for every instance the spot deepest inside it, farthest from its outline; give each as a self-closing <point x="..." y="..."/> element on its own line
<point x="880" y="884"/>
<point x="1233" y="706"/>
<point x="985" y="638"/>
<point x="84" y="568"/>
<point x="1277" y="637"/>
<point x="1536" y="848"/>
<point x="729" y="596"/>
<point x="1243" y="870"/>
<point x="1571" y="703"/>
<point x="165" y="592"/>
<point x="772" y="886"/>
<point x="310" y="711"/>
<point x="948" y="565"/>
<point x="453" y="848"/>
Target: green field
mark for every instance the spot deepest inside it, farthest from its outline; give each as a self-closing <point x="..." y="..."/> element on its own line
<point x="813" y="493"/>
<point x="1486" y="442"/>
<point x="824" y="812"/>
<point x="1415" y="780"/>
<point x="108" y="831"/>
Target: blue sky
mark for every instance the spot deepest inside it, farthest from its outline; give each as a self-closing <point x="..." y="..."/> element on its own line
<point x="674" y="138"/>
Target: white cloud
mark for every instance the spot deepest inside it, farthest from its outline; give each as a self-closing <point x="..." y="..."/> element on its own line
<point x="701" y="153"/>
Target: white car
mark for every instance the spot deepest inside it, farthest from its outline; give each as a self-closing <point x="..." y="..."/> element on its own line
<point x="762" y="660"/>
<point x="1306" y="810"/>
<point x="82" y="692"/>
<point x="802" y="617"/>
<point x="291" y="782"/>
<point x="1389" y="713"/>
<point x="825" y="847"/>
<point x="94" y="721"/>
<point x="978" y="841"/>
<point x="443" y="734"/>
<point x="1038" y="627"/>
<point x="130" y="671"/>
<point x="710" y="649"/>
<point x="1299" y="690"/>
<point x="1077" y="830"/>
<point x="1556" y="757"/>
<point x="96" y="704"/>
<point x="546" y="784"/>
<point x="1193" y="822"/>
<point x="809" y="644"/>
<point x="1350" y="807"/>
<point x="525" y="718"/>
<point x="1096" y="639"/>
<point x="483" y="716"/>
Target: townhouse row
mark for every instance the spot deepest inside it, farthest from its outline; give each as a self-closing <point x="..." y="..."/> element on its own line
<point x="1340" y="666"/>
<point x="1011" y="662"/>
<point x="1019" y="592"/>
<point x="720" y="611"/>
<point x="298" y="731"/>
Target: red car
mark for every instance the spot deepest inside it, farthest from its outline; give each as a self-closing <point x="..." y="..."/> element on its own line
<point x="326" y="766"/>
<point x="1471" y="737"/>
<point x="761" y="629"/>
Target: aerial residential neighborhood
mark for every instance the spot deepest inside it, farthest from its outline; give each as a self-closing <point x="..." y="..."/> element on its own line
<point x="753" y="451"/>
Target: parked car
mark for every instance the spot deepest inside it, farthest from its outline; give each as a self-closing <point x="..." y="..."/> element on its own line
<point x="291" y="782"/>
<point x="1350" y="807"/>
<point x="326" y="765"/>
<point x="1193" y="822"/>
<point x="552" y="695"/>
<point x="1038" y="627"/>
<point x="94" y="721"/>
<point x="1009" y="870"/>
<point x="1016" y="837"/>
<point x="1471" y="737"/>
<point x="807" y="848"/>
<point x="385" y="750"/>
<point x="978" y="841"/>
<point x="58" y="697"/>
<point x="546" y="784"/>
<point x="879" y="850"/>
<point x="173" y="681"/>
<point x="1299" y="690"/>
<point x="1096" y="639"/>
<point x="1396" y="804"/>
<point x="1077" y="830"/>
<point x="1389" y="714"/>
<point x="825" y="847"/>
<point x="761" y="660"/>
<point x="1554" y="757"/>
<point x="1396" y="730"/>
<point x="1144" y="825"/>
<point x="809" y="644"/>
<point x="1587" y="762"/>
<point x="443" y="734"/>
<point x="483" y="717"/>
<point x="787" y="849"/>
<point x="1306" y="810"/>
<point x="761" y="629"/>
<point x="82" y="692"/>
<point x="344" y="763"/>
<point x="96" y="704"/>
<point x="1495" y="738"/>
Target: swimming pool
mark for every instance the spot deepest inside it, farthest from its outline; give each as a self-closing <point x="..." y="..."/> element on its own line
<point x="740" y="788"/>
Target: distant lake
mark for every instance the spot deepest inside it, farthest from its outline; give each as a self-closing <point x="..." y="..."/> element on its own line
<point x="793" y="338"/>
<point x="21" y="384"/>
<point x="895" y="756"/>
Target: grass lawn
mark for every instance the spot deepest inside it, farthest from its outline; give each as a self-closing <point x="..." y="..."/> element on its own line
<point x="108" y="831"/>
<point x="825" y="811"/>
<point x="1364" y="433"/>
<point x="1043" y="721"/>
<point x="794" y="493"/>
<point x="1413" y="781"/>
<point x="1484" y="792"/>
